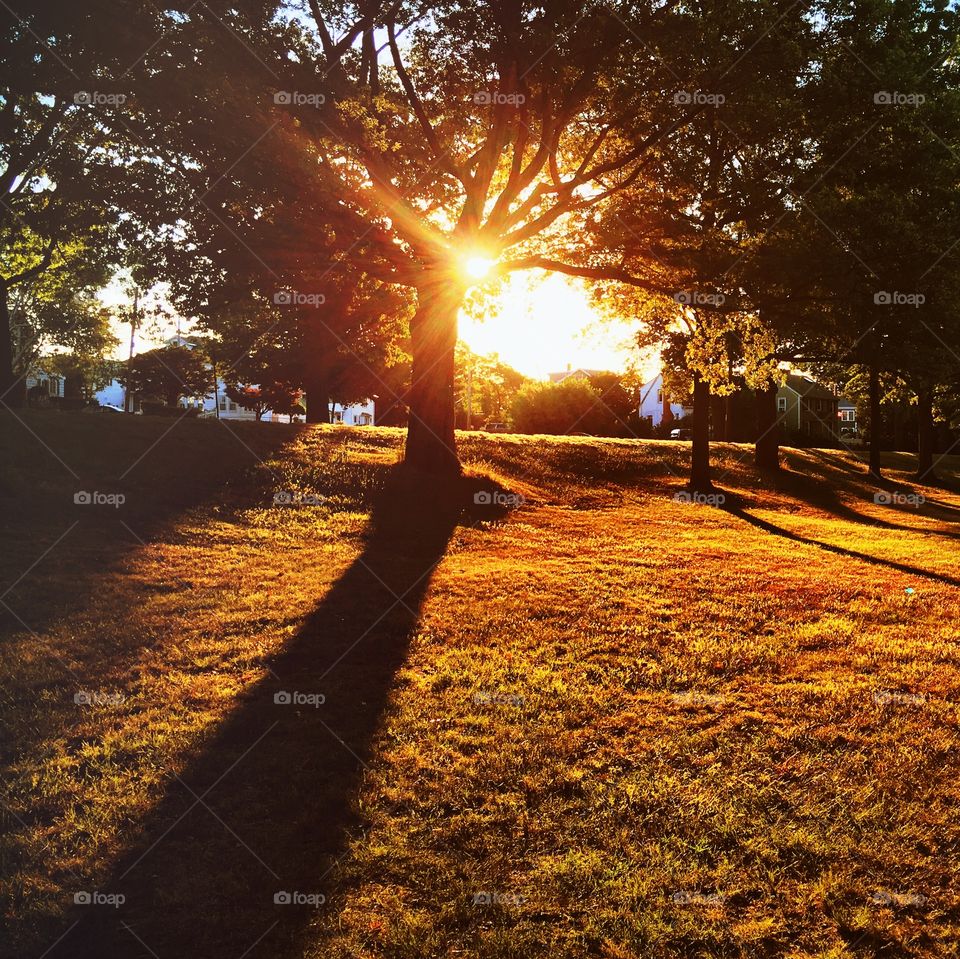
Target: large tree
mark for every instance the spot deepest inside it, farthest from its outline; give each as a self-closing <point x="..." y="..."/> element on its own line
<point x="874" y="241"/>
<point x="66" y="108"/>
<point x="422" y="168"/>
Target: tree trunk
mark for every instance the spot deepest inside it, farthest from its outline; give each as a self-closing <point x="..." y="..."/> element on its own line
<point x="10" y="393"/>
<point x="900" y="427"/>
<point x="700" y="481"/>
<point x="925" y="435"/>
<point x="431" y="445"/>
<point x="718" y="417"/>
<point x="728" y="417"/>
<point x="316" y="385"/>
<point x="875" y="420"/>
<point x="316" y="371"/>
<point x="767" y="447"/>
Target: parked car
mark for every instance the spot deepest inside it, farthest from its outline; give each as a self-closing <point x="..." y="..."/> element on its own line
<point x="681" y="434"/>
<point x="495" y="427"/>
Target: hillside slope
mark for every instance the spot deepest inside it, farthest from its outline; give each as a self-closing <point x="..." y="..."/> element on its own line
<point x="611" y="724"/>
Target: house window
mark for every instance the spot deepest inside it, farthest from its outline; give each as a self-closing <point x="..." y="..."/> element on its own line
<point x="233" y="407"/>
<point x="659" y="396"/>
<point x="781" y="404"/>
<point x="848" y="416"/>
<point x="223" y="404"/>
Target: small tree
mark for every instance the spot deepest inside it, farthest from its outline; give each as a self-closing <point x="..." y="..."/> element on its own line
<point x="275" y="397"/>
<point x="573" y="406"/>
<point x="168" y="373"/>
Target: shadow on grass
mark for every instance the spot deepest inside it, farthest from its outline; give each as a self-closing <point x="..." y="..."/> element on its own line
<point x="775" y="530"/>
<point x="233" y="859"/>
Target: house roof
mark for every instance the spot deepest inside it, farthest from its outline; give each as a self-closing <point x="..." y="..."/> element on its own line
<point x="845" y="404"/>
<point x="560" y="377"/>
<point x="808" y="388"/>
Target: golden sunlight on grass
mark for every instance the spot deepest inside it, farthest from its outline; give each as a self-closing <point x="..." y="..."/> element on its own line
<point x="617" y="724"/>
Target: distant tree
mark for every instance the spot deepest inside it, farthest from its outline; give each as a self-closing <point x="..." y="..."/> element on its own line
<point x="57" y="309"/>
<point x="572" y="406"/>
<point x="273" y="397"/>
<point x="169" y="373"/>
<point x="485" y="385"/>
<point x="65" y="170"/>
<point x="685" y="231"/>
<point x="875" y="241"/>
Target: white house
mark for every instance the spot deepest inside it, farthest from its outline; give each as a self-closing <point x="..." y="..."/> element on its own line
<point x="357" y="414"/>
<point x="111" y="395"/>
<point x="653" y="405"/>
<point x="45" y="384"/>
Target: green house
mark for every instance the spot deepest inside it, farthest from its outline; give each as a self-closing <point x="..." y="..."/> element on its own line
<point x="807" y="408"/>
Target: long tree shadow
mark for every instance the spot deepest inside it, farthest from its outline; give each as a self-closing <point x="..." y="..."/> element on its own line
<point x="233" y="860"/>
<point x="823" y="492"/>
<point x="772" y="528"/>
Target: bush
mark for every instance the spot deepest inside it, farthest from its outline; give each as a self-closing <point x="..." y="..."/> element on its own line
<point x="573" y="406"/>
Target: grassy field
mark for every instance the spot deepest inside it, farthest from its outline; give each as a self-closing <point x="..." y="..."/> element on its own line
<point x="609" y="723"/>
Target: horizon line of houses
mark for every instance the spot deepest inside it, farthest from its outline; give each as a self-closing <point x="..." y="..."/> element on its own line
<point x="804" y="406"/>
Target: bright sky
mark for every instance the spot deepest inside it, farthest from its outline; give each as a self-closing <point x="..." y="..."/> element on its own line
<point x="540" y="323"/>
<point x="545" y="322"/>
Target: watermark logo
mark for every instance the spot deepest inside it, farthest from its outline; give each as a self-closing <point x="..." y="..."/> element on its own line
<point x="896" y="298"/>
<point x="293" y="98"/>
<point x="284" y="898"/>
<point x="698" y="899"/>
<point x="487" y="98"/>
<point x="87" y="98"/>
<point x="496" y="899"/>
<point x="296" y="298"/>
<point x="698" y="98"/>
<point x="701" y="499"/>
<point x="96" y="498"/>
<point x="284" y="698"/>
<point x="696" y="298"/>
<point x="497" y="698"/>
<point x="284" y="498"/>
<point x="898" y="499"/>
<point x="95" y="697"/>
<point x="886" y="897"/>
<point x="95" y="898"/>
<point x="693" y="697"/>
<point x="895" y="98"/>
<point x="886" y="697"/>
<point x="487" y="498"/>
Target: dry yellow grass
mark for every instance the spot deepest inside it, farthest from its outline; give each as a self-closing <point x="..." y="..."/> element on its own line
<point x="610" y="724"/>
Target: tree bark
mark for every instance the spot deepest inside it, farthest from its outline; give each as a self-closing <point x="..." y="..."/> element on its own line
<point x="900" y="427"/>
<point x="767" y="447"/>
<point x="876" y="423"/>
<point x="10" y="393"/>
<point x="925" y="435"/>
<point x="316" y="370"/>
<point x="700" y="481"/>
<point x="431" y="445"/>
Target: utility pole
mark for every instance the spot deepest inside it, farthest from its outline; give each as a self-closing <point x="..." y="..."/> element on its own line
<point x="470" y="397"/>
<point x="127" y="396"/>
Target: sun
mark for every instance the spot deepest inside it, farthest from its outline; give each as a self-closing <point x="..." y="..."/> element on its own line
<point x="477" y="267"/>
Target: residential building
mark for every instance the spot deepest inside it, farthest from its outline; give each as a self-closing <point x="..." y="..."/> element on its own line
<point x="656" y="407"/>
<point x="807" y="408"/>
<point x="847" y="417"/>
<point x="571" y="374"/>
<point x="42" y="386"/>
